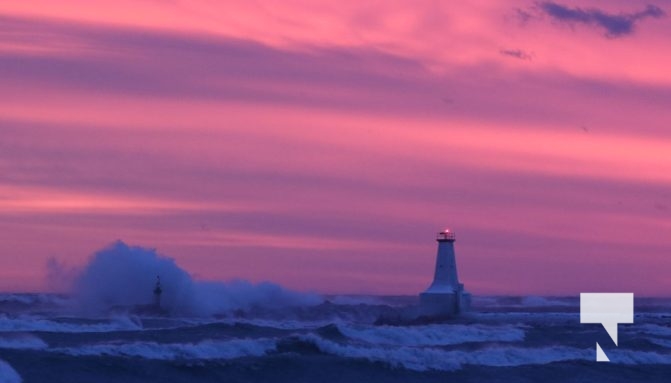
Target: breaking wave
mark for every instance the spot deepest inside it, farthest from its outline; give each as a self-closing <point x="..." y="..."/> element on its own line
<point x="205" y="350"/>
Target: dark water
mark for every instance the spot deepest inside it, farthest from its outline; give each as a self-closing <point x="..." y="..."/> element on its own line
<point x="504" y="339"/>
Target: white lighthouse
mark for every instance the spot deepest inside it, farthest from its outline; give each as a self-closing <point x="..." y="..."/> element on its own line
<point x="446" y="296"/>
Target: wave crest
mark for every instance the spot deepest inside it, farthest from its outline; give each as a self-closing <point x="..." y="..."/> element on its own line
<point x="205" y="350"/>
<point x="432" y="335"/>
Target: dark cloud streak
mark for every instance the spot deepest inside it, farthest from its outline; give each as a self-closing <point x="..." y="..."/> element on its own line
<point x="516" y="53"/>
<point x="615" y="25"/>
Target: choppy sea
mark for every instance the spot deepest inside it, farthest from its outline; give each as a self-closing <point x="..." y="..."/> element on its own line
<point x="340" y="339"/>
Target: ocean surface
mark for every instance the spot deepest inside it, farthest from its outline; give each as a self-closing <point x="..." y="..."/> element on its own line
<point x="45" y="338"/>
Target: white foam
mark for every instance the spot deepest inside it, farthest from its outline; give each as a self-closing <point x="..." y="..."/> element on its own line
<point x="8" y="374"/>
<point x="21" y="342"/>
<point x="432" y="335"/>
<point x="204" y="350"/>
<point x="429" y="358"/>
<point x="35" y="323"/>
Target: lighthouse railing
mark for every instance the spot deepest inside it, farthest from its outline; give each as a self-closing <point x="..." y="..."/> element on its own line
<point x="446" y="235"/>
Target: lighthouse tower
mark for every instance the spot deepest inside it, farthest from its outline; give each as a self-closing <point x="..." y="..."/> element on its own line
<point x="446" y="296"/>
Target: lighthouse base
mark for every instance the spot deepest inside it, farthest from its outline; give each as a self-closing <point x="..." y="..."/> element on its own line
<point x="444" y="303"/>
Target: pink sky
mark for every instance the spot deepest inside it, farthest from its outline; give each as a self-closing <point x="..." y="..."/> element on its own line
<point x="321" y="146"/>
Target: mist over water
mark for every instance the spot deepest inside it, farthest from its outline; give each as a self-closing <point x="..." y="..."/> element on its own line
<point x="122" y="276"/>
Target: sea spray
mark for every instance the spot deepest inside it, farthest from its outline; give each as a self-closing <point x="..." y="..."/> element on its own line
<point x="124" y="276"/>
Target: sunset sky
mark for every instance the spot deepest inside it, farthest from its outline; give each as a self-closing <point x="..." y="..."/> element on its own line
<point x="321" y="145"/>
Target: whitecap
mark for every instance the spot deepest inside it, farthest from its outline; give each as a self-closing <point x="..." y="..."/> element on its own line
<point x="205" y="350"/>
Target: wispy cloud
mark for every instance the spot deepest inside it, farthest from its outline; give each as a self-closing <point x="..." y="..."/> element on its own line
<point x="615" y="25"/>
<point x="516" y="53"/>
